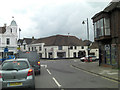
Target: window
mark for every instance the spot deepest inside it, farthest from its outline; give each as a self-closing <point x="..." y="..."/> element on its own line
<point x="0" y="40"/>
<point x="107" y="26"/>
<point x="71" y="47"/>
<point x="24" y="47"/>
<point x="35" y="49"/>
<point x="11" y="30"/>
<point x="29" y="48"/>
<point x="95" y="32"/>
<point x="101" y="26"/>
<point x="40" y="48"/>
<point x="59" y="47"/>
<point x="75" y="47"/>
<point x="82" y="47"/>
<point x="32" y="48"/>
<point x="8" y="41"/>
<point x="18" y="65"/>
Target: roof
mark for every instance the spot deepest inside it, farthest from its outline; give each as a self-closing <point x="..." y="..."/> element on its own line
<point x="110" y="7"/>
<point x="2" y="30"/>
<point x="86" y="42"/>
<point x="27" y="40"/>
<point x="94" y="45"/>
<point x="60" y="40"/>
<point x="13" y="23"/>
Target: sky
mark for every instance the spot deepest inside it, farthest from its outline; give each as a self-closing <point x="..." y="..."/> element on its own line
<point x="43" y="18"/>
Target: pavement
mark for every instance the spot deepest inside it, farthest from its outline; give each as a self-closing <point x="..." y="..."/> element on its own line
<point x="93" y="67"/>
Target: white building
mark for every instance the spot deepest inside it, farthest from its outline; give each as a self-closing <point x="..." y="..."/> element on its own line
<point x="8" y="37"/>
<point x="58" y="46"/>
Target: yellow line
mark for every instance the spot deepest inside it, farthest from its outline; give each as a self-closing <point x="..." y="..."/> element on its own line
<point x="95" y="74"/>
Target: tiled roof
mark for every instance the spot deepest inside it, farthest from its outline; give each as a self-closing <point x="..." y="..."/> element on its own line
<point x="60" y="40"/>
<point x="28" y="40"/>
<point x="112" y="6"/>
<point x="2" y="30"/>
<point x="87" y="42"/>
<point x="109" y="8"/>
<point x="94" y="45"/>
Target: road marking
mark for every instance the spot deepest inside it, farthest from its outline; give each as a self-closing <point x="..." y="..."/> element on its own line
<point x="49" y="72"/>
<point x="44" y="66"/>
<point x="110" y="79"/>
<point x="56" y="82"/>
<point x="95" y="74"/>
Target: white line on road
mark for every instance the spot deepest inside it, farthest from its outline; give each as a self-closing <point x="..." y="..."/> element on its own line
<point x="49" y="72"/>
<point x="56" y="82"/>
<point x="44" y="66"/>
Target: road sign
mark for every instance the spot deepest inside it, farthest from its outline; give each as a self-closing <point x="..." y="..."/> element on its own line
<point x="5" y="49"/>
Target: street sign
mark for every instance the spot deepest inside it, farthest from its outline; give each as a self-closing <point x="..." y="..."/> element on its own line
<point x="5" y="49"/>
<point x="18" y="48"/>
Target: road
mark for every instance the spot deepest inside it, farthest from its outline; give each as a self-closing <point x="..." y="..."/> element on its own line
<point x="61" y="74"/>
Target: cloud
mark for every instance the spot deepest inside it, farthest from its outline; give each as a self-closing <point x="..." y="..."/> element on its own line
<point x="41" y="18"/>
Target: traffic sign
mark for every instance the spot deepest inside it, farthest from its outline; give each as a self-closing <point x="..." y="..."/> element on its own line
<point x="5" y="49"/>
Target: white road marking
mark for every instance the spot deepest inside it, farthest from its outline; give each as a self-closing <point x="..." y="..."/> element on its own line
<point x="49" y="72"/>
<point x="56" y="82"/>
<point x="44" y="66"/>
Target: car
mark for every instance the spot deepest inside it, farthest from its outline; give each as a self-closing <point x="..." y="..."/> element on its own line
<point x="17" y="73"/>
<point x="91" y="58"/>
<point x="33" y="58"/>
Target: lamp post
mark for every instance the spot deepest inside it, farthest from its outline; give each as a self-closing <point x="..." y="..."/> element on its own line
<point x="87" y="36"/>
<point x="68" y="46"/>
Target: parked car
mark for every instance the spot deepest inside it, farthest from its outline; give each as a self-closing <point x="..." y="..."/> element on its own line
<point x="17" y="73"/>
<point x="33" y="58"/>
<point x="91" y="58"/>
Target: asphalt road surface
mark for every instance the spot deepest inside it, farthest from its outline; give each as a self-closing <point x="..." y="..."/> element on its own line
<point x="61" y="74"/>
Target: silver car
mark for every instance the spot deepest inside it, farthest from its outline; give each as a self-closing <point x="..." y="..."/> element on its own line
<point x="17" y="73"/>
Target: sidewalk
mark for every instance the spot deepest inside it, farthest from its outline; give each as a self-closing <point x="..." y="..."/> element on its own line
<point x="93" y="67"/>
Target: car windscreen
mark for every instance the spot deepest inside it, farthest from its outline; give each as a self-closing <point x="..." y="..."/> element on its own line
<point x="15" y="65"/>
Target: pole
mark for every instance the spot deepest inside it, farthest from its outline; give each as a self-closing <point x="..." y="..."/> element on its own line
<point x="68" y="46"/>
<point x="88" y="38"/>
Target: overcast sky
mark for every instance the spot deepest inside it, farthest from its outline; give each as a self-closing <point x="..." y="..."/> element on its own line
<point x="42" y="18"/>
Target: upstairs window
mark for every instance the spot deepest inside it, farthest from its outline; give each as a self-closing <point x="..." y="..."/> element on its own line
<point x="59" y="47"/>
<point x="8" y="41"/>
<point x="11" y="30"/>
<point x="107" y="26"/>
<point x="102" y="27"/>
<point x="40" y="48"/>
<point x="0" y="40"/>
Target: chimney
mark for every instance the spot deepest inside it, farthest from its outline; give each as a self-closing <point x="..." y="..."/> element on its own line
<point x="5" y="24"/>
<point x="32" y="38"/>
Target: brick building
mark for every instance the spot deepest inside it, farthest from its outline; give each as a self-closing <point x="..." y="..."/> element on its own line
<point x="107" y="34"/>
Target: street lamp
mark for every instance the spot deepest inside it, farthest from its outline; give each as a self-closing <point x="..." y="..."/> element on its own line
<point x="87" y="36"/>
<point x="68" y="46"/>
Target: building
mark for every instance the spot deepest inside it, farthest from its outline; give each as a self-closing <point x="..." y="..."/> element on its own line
<point x="59" y="46"/>
<point x="107" y="34"/>
<point x="94" y="49"/>
<point x="8" y="38"/>
<point x="23" y="43"/>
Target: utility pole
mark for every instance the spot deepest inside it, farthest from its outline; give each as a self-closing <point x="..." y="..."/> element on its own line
<point x="87" y="36"/>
